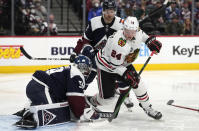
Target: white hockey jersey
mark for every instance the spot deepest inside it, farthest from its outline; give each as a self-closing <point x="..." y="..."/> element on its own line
<point x="112" y="57"/>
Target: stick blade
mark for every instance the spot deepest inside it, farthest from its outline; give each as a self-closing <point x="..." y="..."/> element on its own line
<point x="170" y="102"/>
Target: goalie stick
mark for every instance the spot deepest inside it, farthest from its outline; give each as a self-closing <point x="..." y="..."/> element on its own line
<point x="124" y="95"/>
<point x="170" y="102"/>
<point x="33" y="58"/>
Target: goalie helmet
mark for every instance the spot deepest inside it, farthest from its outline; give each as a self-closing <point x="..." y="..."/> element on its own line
<point x="83" y="63"/>
<point x="131" y="23"/>
<point x="109" y="4"/>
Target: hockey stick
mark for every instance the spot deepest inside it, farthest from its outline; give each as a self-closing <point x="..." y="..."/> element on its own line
<point x="124" y="95"/>
<point x="170" y="102"/>
<point x="105" y="114"/>
<point x="33" y="58"/>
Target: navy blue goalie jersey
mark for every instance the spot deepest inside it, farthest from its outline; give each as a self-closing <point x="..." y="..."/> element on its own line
<point x="62" y="82"/>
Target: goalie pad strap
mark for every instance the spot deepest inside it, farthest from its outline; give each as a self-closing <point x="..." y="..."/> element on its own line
<point x="51" y="114"/>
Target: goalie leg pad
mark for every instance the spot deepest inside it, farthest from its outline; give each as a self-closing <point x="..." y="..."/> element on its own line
<point x="51" y="114"/>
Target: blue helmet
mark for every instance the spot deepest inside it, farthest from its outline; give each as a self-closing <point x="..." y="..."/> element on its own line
<point x="84" y="64"/>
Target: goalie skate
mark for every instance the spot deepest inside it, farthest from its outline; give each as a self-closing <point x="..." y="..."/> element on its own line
<point x="27" y="121"/>
<point x="152" y="113"/>
<point x="21" y="112"/>
<point x="28" y="124"/>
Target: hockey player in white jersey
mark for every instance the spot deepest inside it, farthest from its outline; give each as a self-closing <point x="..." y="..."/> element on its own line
<point x="95" y="36"/>
<point x="114" y="61"/>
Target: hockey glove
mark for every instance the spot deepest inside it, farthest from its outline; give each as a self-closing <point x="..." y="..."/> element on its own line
<point x="132" y="78"/>
<point x="153" y="44"/>
<point x="72" y="57"/>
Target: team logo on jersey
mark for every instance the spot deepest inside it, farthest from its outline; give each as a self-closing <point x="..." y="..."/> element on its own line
<point x="47" y="117"/>
<point x="121" y="42"/>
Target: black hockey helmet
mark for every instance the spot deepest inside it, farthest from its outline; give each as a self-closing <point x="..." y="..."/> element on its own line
<point x="109" y="4"/>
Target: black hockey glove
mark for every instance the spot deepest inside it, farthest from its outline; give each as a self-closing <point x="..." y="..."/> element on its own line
<point x="153" y="44"/>
<point x="132" y="78"/>
<point x="72" y="58"/>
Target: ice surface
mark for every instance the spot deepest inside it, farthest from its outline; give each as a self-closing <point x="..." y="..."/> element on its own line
<point x="181" y="86"/>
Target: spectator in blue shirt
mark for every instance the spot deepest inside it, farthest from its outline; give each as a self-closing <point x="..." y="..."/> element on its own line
<point x="96" y="10"/>
<point x="171" y="11"/>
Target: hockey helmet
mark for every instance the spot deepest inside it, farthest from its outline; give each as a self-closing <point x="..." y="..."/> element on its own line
<point x="109" y="4"/>
<point x="131" y="23"/>
<point x="84" y="64"/>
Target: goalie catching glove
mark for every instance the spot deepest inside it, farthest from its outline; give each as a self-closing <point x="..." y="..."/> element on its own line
<point x="132" y="78"/>
<point x="153" y="44"/>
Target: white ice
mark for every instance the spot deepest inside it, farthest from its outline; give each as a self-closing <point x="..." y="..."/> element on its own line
<point x="181" y="86"/>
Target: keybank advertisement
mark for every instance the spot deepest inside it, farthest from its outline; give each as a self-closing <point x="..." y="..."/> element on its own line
<point x="174" y="50"/>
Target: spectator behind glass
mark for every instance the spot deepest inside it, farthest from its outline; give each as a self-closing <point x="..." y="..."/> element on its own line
<point x="128" y="10"/>
<point x="196" y="19"/>
<point x="171" y="11"/>
<point x="52" y="26"/>
<point x="88" y="5"/>
<point x="40" y="10"/>
<point x="187" y="26"/>
<point x="140" y="12"/>
<point x="186" y="13"/>
<point x="96" y="9"/>
<point x="175" y="27"/>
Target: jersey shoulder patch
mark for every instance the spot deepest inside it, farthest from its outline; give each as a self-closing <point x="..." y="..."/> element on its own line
<point x="121" y="21"/>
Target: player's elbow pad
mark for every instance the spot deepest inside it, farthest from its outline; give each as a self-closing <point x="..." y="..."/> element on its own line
<point x="80" y="44"/>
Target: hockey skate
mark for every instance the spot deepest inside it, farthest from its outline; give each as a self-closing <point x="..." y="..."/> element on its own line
<point x="151" y="112"/>
<point x="128" y="104"/>
<point x="27" y="121"/>
<point x="28" y="124"/>
<point x="21" y="112"/>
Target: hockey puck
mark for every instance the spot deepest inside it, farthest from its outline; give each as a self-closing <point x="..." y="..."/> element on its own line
<point x="170" y="102"/>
